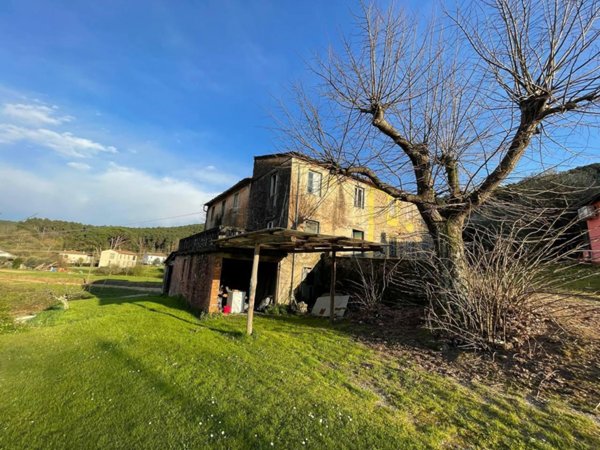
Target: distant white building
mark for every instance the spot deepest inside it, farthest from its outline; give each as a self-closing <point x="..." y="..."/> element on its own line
<point x="154" y="258"/>
<point x="117" y="258"/>
<point x="6" y="255"/>
<point x="75" y="257"/>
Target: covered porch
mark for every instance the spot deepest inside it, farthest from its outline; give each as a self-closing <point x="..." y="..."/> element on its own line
<point x="264" y="243"/>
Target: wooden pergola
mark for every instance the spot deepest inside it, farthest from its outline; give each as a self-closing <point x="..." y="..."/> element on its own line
<point x="292" y="241"/>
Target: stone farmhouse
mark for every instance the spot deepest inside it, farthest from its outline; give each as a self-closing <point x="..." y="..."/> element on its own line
<point x="287" y="191"/>
<point x="117" y="258"/>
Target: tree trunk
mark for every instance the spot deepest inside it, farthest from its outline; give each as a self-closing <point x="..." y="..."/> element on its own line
<point x="449" y="247"/>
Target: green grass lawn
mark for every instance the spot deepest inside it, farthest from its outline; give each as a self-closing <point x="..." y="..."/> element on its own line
<point x="150" y="275"/>
<point x="581" y="278"/>
<point x="113" y="372"/>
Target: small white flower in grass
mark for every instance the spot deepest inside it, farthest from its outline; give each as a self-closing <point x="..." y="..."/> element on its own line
<point x="222" y="432"/>
<point x="150" y="423"/>
<point x="272" y="444"/>
<point x="212" y="435"/>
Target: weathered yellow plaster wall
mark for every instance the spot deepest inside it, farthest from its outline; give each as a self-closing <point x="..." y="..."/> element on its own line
<point x="337" y="215"/>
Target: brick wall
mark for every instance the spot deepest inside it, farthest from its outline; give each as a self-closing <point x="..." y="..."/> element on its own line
<point x="196" y="277"/>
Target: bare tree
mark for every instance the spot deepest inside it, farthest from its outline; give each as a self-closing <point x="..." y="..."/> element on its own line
<point x="117" y="241"/>
<point x="441" y="114"/>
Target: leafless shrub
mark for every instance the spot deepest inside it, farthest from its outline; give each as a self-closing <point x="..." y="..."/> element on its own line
<point x="374" y="278"/>
<point x="514" y="270"/>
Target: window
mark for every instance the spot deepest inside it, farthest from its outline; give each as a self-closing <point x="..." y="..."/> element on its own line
<point x="212" y="213"/>
<point x="311" y="226"/>
<point x="222" y="208"/>
<point x="270" y="224"/>
<point x="358" y="234"/>
<point x="236" y="200"/>
<point x="359" y="197"/>
<point x="314" y="183"/>
<point x="273" y="185"/>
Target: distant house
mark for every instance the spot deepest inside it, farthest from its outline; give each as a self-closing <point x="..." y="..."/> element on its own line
<point x="75" y="257"/>
<point x="117" y="258"/>
<point x="591" y="214"/>
<point x="153" y="258"/>
<point x="6" y="255"/>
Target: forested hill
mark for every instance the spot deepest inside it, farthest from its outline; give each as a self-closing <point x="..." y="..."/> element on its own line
<point x="44" y="235"/>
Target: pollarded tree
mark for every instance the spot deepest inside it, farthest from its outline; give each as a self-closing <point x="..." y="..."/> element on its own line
<point x="439" y="115"/>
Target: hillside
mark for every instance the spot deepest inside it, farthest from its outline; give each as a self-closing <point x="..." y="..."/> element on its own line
<point x="550" y="196"/>
<point x="44" y="237"/>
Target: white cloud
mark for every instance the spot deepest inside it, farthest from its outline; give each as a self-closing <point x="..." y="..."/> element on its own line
<point x="64" y="143"/>
<point x="36" y="114"/>
<point x="118" y="196"/>
<point x="79" y="165"/>
<point x="210" y="175"/>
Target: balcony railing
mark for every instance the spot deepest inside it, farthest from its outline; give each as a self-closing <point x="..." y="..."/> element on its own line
<point x="205" y="240"/>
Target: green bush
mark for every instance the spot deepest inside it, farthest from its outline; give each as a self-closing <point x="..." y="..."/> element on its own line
<point x="278" y="310"/>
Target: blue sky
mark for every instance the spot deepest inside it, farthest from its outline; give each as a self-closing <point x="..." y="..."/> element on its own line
<point x="122" y="112"/>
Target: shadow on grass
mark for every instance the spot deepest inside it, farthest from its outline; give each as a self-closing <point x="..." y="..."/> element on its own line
<point x="174" y="307"/>
<point x="127" y="283"/>
<point x="192" y="408"/>
<point x="116" y="296"/>
<point x="409" y="332"/>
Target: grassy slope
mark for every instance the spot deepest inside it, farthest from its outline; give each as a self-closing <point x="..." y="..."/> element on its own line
<point x="144" y="373"/>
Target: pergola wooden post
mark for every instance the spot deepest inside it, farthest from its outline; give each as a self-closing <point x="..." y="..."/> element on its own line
<point x="253" y="283"/>
<point x="332" y="289"/>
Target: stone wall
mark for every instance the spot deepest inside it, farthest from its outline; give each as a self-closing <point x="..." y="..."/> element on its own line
<point x="302" y="265"/>
<point x="265" y="208"/>
<point x="226" y="213"/>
